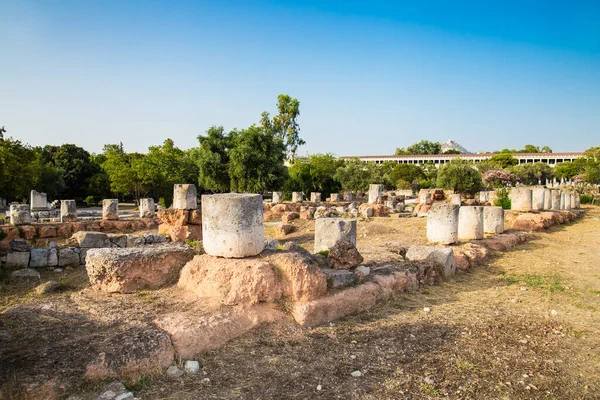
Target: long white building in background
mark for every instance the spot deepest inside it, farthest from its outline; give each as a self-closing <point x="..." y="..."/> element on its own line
<point x="439" y="159"/>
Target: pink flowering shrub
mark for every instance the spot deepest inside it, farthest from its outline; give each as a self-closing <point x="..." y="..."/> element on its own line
<point x="499" y="178"/>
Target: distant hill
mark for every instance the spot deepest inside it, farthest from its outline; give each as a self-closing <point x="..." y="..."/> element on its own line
<point x="452" y="145"/>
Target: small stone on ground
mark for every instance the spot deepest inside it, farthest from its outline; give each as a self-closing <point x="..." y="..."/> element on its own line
<point x="192" y="367"/>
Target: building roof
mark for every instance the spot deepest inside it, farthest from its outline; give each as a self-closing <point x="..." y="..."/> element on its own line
<point x="468" y="156"/>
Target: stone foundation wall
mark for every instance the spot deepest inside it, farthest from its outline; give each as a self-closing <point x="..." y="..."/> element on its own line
<point x="21" y="255"/>
<point x="66" y="229"/>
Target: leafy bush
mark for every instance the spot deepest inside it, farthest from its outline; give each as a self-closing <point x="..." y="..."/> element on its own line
<point x="503" y="199"/>
<point x="504" y="203"/>
<point x="587" y="199"/>
<point x="162" y="202"/>
<point x="460" y="176"/>
<point x="90" y="200"/>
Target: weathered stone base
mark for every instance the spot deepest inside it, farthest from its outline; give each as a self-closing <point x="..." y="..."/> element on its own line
<point x="127" y="270"/>
<point x="66" y="229"/>
<point x="269" y="277"/>
<point x="180" y="225"/>
<point x="132" y="356"/>
<point x="539" y="221"/>
<point x="192" y="334"/>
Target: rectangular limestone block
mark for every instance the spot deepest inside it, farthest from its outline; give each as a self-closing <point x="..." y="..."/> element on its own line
<point x="375" y="192"/>
<point x="146" y="208"/>
<point x="297" y="197"/>
<point x="277" y="197"/>
<point x="185" y="197"/>
<point x="68" y="211"/>
<point x="38" y="201"/>
<point x="20" y="214"/>
<point x="68" y="256"/>
<point x="43" y="258"/>
<point x="17" y="259"/>
<point x="329" y="231"/>
<point x="110" y="209"/>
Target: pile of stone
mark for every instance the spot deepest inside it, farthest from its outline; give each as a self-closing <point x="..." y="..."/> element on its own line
<point x="66" y="229"/>
<point x="183" y="221"/>
<point x="335" y="241"/>
<point x="23" y="215"/>
<point x="426" y="198"/>
<point x="239" y="272"/>
<point x="41" y="210"/>
<point x="21" y="255"/>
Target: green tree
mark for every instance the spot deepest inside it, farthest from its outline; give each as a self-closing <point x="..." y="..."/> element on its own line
<point x="531" y="174"/>
<point x="529" y="148"/>
<point x="566" y="170"/>
<point x="503" y="160"/>
<point x="117" y="165"/>
<point x="592" y="173"/>
<point x="460" y="176"/>
<point x="51" y="181"/>
<point x="404" y="174"/>
<point x="356" y="175"/>
<point x="285" y="124"/>
<point x="19" y="169"/>
<point x="162" y="167"/>
<point x="315" y="174"/>
<point x="76" y="166"/>
<point x="300" y="179"/>
<point x="212" y="160"/>
<point x="256" y="160"/>
<point x="422" y="147"/>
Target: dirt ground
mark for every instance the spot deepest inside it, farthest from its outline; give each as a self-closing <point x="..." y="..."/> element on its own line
<point x="526" y="325"/>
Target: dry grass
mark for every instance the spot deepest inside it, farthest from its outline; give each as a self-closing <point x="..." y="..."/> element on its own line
<point x="485" y="337"/>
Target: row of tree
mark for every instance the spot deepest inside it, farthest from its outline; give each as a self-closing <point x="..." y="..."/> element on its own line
<point x="427" y="147"/>
<point x="326" y="174"/>
<point x="256" y="159"/>
<point x="242" y="160"/>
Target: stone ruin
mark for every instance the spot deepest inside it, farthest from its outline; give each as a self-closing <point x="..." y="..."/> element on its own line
<point x="450" y="223"/>
<point x="245" y="272"/>
<point x="20" y="255"/>
<point x="243" y="279"/>
<point x="183" y="221"/>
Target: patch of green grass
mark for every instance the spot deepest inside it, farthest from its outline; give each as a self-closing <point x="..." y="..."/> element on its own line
<point x="551" y="283"/>
<point x="575" y="333"/>
<point x="463" y="366"/>
<point x="429" y="390"/>
<point x="140" y="384"/>
<point x="594" y="291"/>
<point x="193" y="243"/>
<point x="324" y="253"/>
<point x="146" y="296"/>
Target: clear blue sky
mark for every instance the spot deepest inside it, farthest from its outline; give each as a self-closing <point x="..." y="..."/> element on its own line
<point x="370" y="76"/>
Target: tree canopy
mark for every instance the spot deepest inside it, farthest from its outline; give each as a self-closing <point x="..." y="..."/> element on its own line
<point x="422" y="147"/>
<point x="285" y="124"/>
<point x="459" y="175"/>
